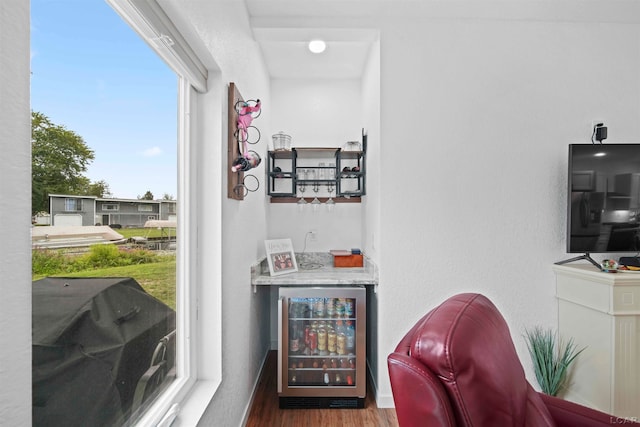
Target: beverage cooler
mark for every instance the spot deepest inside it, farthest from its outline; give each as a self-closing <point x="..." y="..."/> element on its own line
<point x="321" y="347"/>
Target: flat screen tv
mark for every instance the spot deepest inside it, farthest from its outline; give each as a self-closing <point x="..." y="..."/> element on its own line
<point x="603" y="198"/>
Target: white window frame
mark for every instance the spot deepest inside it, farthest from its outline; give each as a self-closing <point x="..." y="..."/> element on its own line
<point x="110" y="207"/>
<point x="199" y="279"/>
<point x="77" y="204"/>
<point x="145" y="207"/>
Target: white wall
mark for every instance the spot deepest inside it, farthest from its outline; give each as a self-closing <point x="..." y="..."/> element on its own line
<point x="317" y="113"/>
<point x="474" y="217"/>
<point x="482" y="208"/>
<point x="371" y="203"/>
<point x="15" y="209"/>
<point x="225" y="32"/>
<point x="475" y="117"/>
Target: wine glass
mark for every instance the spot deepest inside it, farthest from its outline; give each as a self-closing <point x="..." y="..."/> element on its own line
<point x="330" y="202"/>
<point x="302" y="176"/>
<point x="315" y="203"/>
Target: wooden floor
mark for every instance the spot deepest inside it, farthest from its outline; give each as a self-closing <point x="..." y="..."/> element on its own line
<point x="266" y="413"/>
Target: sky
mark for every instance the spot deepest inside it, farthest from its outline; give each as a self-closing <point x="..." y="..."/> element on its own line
<point x="92" y="74"/>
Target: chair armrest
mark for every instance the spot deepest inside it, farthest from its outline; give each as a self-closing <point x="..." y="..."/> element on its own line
<point x="419" y="397"/>
<point x="569" y="414"/>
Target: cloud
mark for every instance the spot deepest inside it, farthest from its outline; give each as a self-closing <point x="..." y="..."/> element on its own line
<point x="152" y="152"/>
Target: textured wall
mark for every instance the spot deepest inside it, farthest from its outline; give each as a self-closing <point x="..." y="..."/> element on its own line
<point x="484" y="206"/>
<point x="477" y="105"/>
<point x="15" y="209"/>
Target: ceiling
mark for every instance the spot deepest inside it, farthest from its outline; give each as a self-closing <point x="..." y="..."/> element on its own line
<point x="283" y="30"/>
<point x="287" y="56"/>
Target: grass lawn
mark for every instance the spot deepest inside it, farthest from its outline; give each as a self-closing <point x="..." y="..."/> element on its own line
<point x="158" y="278"/>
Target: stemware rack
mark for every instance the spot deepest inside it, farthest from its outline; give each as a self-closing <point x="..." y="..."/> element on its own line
<point x="321" y="172"/>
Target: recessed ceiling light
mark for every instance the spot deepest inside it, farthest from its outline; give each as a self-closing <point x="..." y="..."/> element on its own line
<point x="600" y="154"/>
<point x="317" y="46"/>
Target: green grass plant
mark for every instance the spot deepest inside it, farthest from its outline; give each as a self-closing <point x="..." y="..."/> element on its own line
<point x="49" y="262"/>
<point x="158" y="279"/>
<point x="551" y="358"/>
<point x="155" y="273"/>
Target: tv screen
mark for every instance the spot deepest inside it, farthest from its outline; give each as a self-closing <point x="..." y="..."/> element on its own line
<point x="604" y="198"/>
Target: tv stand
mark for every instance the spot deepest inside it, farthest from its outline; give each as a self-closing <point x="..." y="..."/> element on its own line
<point x="600" y="312"/>
<point x="578" y="258"/>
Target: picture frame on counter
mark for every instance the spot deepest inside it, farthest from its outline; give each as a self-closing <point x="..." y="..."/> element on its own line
<point x="280" y="256"/>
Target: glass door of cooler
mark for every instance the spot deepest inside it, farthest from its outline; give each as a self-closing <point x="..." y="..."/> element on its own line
<point x="321" y="342"/>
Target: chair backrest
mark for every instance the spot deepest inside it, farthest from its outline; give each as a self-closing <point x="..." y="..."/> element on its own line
<point x="464" y="345"/>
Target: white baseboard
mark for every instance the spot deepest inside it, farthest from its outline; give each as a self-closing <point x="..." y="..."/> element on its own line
<point x="247" y="408"/>
<point x="385" y="401"/>
<point x="382" y="401"/>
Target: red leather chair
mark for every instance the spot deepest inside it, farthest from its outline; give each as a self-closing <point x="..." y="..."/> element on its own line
<point x="458" y="367"/>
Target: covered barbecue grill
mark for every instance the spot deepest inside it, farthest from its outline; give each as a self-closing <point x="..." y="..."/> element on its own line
<point x="93" y="340"/>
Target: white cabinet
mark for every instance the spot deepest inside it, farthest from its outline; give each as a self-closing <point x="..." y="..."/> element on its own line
<point x="601" y="311"/>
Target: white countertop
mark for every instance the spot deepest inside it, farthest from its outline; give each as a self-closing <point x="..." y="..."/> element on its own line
<point x="316" y="269"/>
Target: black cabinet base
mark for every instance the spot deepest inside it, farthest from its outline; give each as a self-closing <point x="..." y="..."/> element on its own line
<point x="321" y="402"/>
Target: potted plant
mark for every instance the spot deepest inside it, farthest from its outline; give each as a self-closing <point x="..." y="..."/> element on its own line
<point x="551" y="358"/>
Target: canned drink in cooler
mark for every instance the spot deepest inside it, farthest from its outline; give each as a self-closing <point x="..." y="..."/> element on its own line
<point x="313" y="340"/>
<point x="320" y="308"/>
<point x="331" y="307"/>
<point x="339" y="308"/>
<point x="332" y="342"/>
<point x="348" y="307"/>
<point x="322" y="341"/>
<point x="341" y="346"/>
<point x="294" y="345"/>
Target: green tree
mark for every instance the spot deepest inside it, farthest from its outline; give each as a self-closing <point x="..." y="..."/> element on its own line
<point x="59" y="157"/>
<point x="167" y="196"/>
<point x="147" y="196"/>
<point x="98" y="189"/>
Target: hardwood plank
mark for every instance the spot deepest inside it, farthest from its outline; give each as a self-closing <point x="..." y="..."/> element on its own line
<point x="266" y="412"/>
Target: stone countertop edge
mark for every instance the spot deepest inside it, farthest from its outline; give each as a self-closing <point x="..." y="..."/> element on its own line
<point x="323" y="274"/>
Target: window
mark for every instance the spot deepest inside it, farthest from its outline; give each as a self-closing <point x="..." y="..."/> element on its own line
<point x="72" y="205"/>
<point x="106" y="382"/>
<point x="110" y="207"/>
<point x="199" y="354"/>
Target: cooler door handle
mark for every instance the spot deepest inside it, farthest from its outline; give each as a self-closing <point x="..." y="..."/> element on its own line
<point x="280" y="348"/>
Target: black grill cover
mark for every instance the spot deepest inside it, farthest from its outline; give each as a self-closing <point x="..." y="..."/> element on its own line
<point x="93" y="338"/>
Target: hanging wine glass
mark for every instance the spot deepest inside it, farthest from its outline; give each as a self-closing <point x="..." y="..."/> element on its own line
<point x="330" y="202"/>
<point x="330" y="186"/>
<point x="315" y="203"/>
<point x="302" y="176"/>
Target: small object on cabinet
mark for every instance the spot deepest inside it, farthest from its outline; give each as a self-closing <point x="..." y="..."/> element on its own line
<point x="280" y="256"/>
<point x="347" y="259"/>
